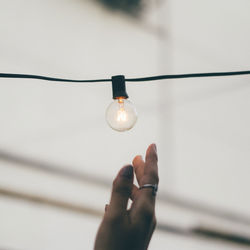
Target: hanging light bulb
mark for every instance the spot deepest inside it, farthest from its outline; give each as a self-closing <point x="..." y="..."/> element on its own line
<point x="121" y="114"/>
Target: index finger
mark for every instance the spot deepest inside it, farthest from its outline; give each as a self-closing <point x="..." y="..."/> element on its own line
<point x="151" y="167"/>
<point x="145" y="201"/>
<point x="150" y="176"/>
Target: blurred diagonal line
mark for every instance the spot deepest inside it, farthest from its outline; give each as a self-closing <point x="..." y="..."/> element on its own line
<point x="67" y="173"/>
<point x="215" y="234"/>
<point x="47" y="167"/>
<point x="49" y="202"/>
<point x="204" y="208"/>
<point x="6" y="248"/>
<point x="206" y="233"/>
<point x="167" y="228"/>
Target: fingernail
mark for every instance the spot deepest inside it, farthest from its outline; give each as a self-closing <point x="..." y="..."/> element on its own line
<point x="141" y="157"/>
<point x="155" y="147"/>
<point x="127" y="172"/>
<point x="106" y="207"/>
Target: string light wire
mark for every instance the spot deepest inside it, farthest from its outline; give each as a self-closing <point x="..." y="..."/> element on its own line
<point x="141" y="79"/>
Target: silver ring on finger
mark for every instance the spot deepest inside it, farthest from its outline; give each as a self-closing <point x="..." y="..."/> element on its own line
<point x="153" y="186"/>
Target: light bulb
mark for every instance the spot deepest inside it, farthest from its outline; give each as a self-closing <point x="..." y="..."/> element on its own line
<point x="121" y="115"/>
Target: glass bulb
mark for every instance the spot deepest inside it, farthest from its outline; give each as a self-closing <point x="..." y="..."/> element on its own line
<point x="121" y="115"/>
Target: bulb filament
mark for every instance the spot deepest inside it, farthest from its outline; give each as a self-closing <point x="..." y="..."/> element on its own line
<point x="121" y="114"/>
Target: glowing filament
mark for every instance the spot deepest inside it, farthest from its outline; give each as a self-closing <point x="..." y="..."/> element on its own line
<point x="121" y="114"/>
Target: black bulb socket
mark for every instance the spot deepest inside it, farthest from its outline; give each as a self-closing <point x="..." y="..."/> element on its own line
<point x="119" y="87"/>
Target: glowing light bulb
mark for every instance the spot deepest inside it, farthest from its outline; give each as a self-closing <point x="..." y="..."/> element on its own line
<point x="121" y="115"/>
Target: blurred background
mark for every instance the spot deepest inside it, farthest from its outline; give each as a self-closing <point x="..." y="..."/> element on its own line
<point x="57" y="154"/>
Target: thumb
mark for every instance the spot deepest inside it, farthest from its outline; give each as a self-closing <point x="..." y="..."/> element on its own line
<point x="121" y="191"/>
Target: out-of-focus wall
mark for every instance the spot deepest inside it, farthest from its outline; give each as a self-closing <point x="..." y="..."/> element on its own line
<point x="211" y="116"/>
<point x="200" y="125"/>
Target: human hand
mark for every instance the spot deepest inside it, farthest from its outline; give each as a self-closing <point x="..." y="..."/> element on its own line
<point x="130" y="229"/>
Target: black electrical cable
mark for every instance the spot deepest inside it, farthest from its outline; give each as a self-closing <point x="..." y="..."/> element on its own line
<point x="192" y="75"/>
<point x="142" y="79"/>
<point x="46" y="78"/>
